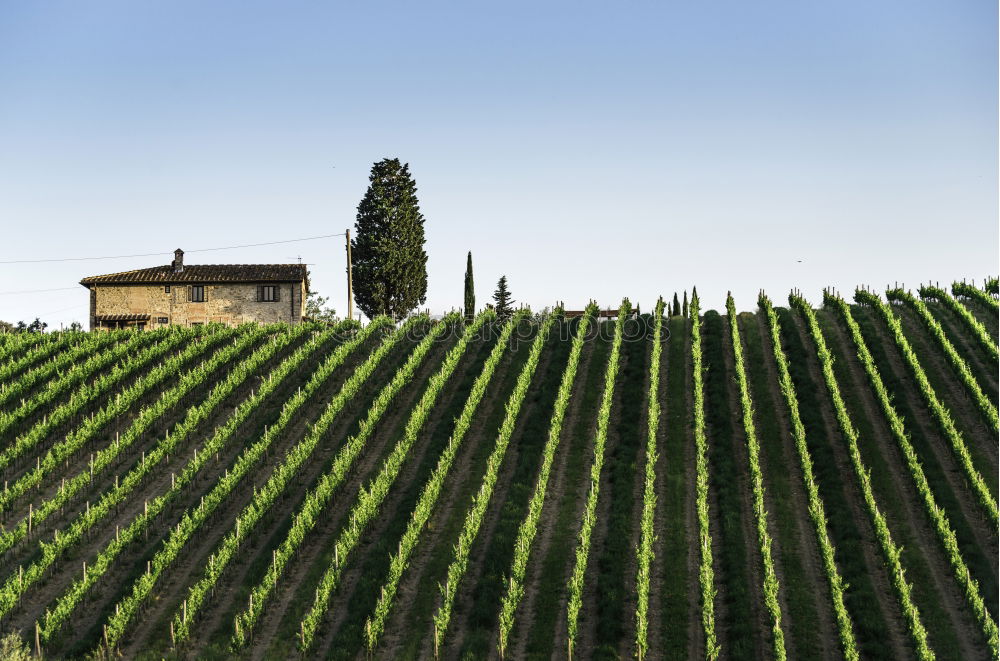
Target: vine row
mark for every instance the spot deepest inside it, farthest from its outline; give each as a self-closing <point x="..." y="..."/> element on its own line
<point x="890" y="551"/>
<point x="477" y="512"/>
<point x="771" y="586"/>
<point x="928" y="292"/>
<point x="370" y="499"/>
<point x="18" y="583"/>
<point x="309" y="511"/>
<point x="582" y="552"/>
<point x="975" y="293"/>
<point x="937" y="515"/>
<point x="939" y="411"/>
<point x="529" y="526"/>
<point x="986" y="407"/>
<point x="817" y="512"/>
<point x="66" y="604"/>
<point x="265" y="497"/>
<point x="192" y="520"/>
<point x="645" y="554"/>
<point x="375" y="624"/>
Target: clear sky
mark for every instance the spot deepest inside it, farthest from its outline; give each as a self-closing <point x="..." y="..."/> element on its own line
<point x="584" y="149"/>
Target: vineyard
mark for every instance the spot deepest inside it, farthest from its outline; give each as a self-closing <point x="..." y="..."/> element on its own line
<point x="813" y="480"/>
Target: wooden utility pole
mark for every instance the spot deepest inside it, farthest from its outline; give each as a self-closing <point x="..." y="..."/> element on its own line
<point x="350" y="284"/>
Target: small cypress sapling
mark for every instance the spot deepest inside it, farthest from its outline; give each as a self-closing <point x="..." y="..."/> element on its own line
<point x="503" y="301"/>
<point x="470" y="292"/>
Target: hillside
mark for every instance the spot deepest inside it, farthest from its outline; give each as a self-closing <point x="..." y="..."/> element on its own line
<point x="810" y="483"/>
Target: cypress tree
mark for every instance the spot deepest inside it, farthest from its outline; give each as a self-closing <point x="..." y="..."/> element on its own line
<point x="390" y="264"/>
<point x="685" y="311"/>
<point x="503" y="303"/>
<point x="470" y="292"/>
<point x="677" y="306"/>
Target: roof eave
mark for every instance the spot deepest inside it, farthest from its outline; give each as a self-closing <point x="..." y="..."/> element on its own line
<point x="207" y="281"/>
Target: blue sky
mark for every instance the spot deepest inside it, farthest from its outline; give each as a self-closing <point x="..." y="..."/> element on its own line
<point x="585" y="150"/>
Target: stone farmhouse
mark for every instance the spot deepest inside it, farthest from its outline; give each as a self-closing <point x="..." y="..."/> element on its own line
<point x="197" y="294"/>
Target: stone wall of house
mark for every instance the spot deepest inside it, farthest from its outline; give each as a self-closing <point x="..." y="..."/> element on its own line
<point x="224" y="303"/>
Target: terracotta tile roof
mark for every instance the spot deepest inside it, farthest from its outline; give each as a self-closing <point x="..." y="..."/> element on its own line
<point x="122" y="317"/>
<point x="203" y="273"/>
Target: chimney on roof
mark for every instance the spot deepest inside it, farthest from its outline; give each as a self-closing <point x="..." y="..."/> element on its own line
<point x="178" y="262"/>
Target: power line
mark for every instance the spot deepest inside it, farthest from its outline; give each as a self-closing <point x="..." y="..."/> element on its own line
<point x="71" y="307"/>
<point x="155" y="254"/>
<point x="36" y="291"/>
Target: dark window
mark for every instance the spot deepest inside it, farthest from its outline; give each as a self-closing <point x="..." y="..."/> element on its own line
<point x="162" y="320"/>
<point x="197" y="293"/>
<point x="141" y="325"/>
<point x="196" y="323"/>
<point x="166" y="289"/>
<point x="269" y="293"/>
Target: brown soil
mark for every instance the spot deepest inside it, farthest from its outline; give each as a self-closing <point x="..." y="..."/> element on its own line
<point x="188" y="568"/>
<point x="769" y="508"/>
<point x="627" y="648"/>
<point x="696" y="632"/>
<point x="985" y="535"/>
<point x="763" y="648"/>
<point x="173" y="584"/>
<point x="884" y="592"/>
<point x="714" y="528"/>
<point x="557" y="490"/>
<point x="39" y="386"/>
<point x="219" y="620"/>
<point x="341" y="602"/>
<point x="474" y="569"/>
<point x="981" y="365"/>
<point x="51" y="484"/>
<point x="954" y="395"/>
<point x="116" y="580"/>
<point x="811" y="558"/>
<point x="433" y="543"/>
<point x="27" y="550"/>
<point x="104" y="481"/>
<point x="475" y="565"/>
<point x="983" y="314"/>
<point x="26" y="462"/>
<point x="8" y="356"/>
<point x="656" y="569"/>
<point x="560" y="489"/>
<point x="947" y="591"/>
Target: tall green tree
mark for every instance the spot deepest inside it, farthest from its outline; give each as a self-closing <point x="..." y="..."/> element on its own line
<point x="37" y="326"/>
<point x="677" y="306"/>
<point x="390" y="264"/>
<point x="470" y="292"/>
<point x="685" y="311"/>
<point x="502" y="301"/>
